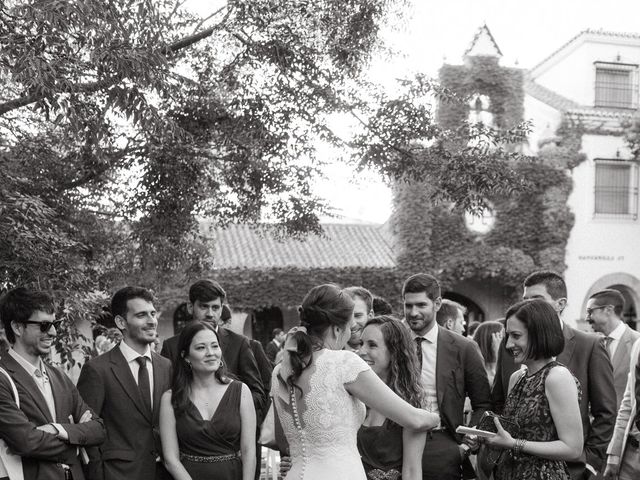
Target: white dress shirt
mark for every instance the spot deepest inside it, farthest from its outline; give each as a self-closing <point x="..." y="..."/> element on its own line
<point x="616" y="336"/>
<point x="428" y="368"/>
<point x="130" y="355"/>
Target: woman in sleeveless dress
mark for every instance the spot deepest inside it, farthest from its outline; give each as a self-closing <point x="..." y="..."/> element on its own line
<point x="390" y="452"/>
<point x="319" y="390"/>
<point x="207" y="421"/>
<point x="543" y="399"/>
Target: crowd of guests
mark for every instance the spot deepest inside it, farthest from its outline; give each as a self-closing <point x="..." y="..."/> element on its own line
<point x="356" y="391"/>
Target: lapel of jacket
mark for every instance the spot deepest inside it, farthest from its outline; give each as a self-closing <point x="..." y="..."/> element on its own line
<point x="569" y="345"/>
<point x="124" y="377"/>
<point x="445" y="355"/>
<point x="621" y="357"/>
<point x="59" y="396"/>
<point x="28" y="384"/>
<point x="223" y="337"/>
<point x="158" y="385"/>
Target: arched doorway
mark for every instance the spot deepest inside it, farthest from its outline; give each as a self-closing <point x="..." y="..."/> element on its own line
<point x="626" y="284"/>
<point x="473" y="314"/>
<point x="263" y="321"/>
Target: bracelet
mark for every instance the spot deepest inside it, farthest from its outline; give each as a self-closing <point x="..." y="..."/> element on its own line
<point x="518" y="447"/>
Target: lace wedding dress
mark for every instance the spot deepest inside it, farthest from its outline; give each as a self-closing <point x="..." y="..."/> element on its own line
<point x="322" y="425"/>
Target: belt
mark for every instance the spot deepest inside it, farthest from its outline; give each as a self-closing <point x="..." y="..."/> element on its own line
<point x="209" y="459"/>
<point x="633" y="441"/>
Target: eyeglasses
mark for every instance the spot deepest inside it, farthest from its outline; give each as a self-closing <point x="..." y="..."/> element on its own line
<point x="44" y="326"/>
<point x="592" y="309"/>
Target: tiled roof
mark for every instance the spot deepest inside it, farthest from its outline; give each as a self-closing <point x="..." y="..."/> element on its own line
<point x="241" y="246"/>
<point x="548" y="96"/>
<point x="584" y="33"/>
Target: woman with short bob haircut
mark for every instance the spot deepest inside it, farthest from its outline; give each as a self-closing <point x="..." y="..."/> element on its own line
<point x="543" y="399"/>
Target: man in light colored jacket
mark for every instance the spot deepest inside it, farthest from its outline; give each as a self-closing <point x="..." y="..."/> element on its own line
<point x="623" y="453"/>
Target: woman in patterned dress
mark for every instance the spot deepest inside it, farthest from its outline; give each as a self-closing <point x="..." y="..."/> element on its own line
<point x="543" y="399"/>
<point x="390" y="452"/>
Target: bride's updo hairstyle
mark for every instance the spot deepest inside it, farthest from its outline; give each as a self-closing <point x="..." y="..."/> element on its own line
<point x="323" y="307"/>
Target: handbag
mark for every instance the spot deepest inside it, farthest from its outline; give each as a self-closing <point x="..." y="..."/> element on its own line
<point x="489" y="457"/>
<point x="10" y="463"/>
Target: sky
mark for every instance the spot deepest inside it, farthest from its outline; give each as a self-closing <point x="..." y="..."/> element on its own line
<point x="434" y="32"/>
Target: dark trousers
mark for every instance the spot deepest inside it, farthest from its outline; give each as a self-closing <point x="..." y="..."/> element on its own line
<point x="441" y="458"/>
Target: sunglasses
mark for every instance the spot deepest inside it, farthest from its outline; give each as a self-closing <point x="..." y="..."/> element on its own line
<point x="44" y="326"/>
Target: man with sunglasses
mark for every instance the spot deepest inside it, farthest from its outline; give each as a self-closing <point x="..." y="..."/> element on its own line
<point x="53" y="420"/>
<point x="604" y="314"/>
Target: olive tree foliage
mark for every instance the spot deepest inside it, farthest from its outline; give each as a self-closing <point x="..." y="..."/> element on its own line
<point x="125" y="123"/>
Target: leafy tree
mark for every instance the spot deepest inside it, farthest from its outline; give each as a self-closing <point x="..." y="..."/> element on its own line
<point x="124" y="124"/>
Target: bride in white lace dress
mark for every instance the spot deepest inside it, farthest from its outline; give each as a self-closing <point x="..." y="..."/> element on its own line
<point x="319" y="391"/>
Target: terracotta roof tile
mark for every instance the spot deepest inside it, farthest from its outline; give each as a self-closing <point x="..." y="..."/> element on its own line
<point x="241" y="246"/>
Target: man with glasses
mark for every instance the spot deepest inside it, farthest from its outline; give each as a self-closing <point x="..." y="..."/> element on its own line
<point x="585" y="356"/>
<point x="53" y="421"/>
<point x="604" y="314"/>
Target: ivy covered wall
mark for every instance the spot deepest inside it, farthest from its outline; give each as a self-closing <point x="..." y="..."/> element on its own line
<point x="531" y="227"/>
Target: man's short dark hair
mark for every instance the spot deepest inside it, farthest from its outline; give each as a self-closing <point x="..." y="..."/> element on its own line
<point x="363" y="294"/>
<point x="448" y="311"/>
<point x="122" y="296"/>
<point x="543" y="328"/>
<point x="381" y="307"/>
<point x="422" y="282"/>
<point x="276" y="332"/>
<point x="610" y="296"/>
<point x="18" y="304"/>
<point x="206" y="291"/>
<point x="554" y="283"/>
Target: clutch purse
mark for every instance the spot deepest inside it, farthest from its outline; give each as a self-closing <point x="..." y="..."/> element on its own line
<point x="489" y="457"/>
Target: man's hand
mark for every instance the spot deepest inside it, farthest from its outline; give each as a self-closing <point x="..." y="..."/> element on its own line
<point x="86" y="417"/>
<point x="47" y="427"/>
<point x="285" y="465"/>
<point x="611" y="471"/>
<point x="472" y="441"/>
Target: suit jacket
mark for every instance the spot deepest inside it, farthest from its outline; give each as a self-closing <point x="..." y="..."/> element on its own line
<point x="240" y="362"/>
<point x="460" y="373"/>
<point x="585" y="356"/>
<point x="42" y="452"/>
<point x="265" y="367"/>
<point x="133" y="440"/>
<point x="620" y="362"/>
<point x="272" y="350"/>
<point x="628" y="407"/>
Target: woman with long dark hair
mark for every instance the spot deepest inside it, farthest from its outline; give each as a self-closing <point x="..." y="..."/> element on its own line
<point x="388" y="450"/>
<point x="319" y="390"/>
<point x="543" y="399"/>
<point x="488" y="336"/>
<point x="207" y="421"/>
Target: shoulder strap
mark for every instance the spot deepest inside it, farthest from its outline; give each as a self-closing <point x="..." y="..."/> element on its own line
<point x="13" y="386"/>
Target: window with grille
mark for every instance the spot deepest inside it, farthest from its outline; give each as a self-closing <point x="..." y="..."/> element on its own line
<point x="616" y="189"/>
<point x="616" y="85"/>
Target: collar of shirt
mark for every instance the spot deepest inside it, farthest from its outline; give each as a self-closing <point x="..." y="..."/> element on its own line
<point x="24" y="363"/>
<point x="617" y="332"/>
<point x="431" y="336"/>
<point x="130" y="354"/>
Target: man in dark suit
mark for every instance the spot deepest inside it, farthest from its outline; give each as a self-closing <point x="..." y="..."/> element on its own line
<point x="125" y="385"/>
<point x="604" y="314"/>
<point x="53" y="420"/>
<point x="274" y="346"/>
<point x="585" y="356"/>
<point x="205" y="304"/>
<point x="451" y="370"/>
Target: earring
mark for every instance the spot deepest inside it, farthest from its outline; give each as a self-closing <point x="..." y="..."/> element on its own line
<point x="188" y="363"/>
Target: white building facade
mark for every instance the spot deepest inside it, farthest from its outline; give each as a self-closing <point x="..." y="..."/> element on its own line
<point x="593" y="83"/>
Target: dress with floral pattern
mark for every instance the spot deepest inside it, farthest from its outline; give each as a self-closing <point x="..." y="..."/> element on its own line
<point x="528" y="405"/>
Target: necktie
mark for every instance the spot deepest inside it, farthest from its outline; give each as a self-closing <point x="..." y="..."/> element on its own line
<point x="607" y="345"/>
<point x="419" y="341"/>
<point x="143" y="382"/>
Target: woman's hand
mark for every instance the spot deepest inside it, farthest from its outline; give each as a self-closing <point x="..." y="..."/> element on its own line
<point x="428" y="420"/>
<point x="502" y="439"/>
